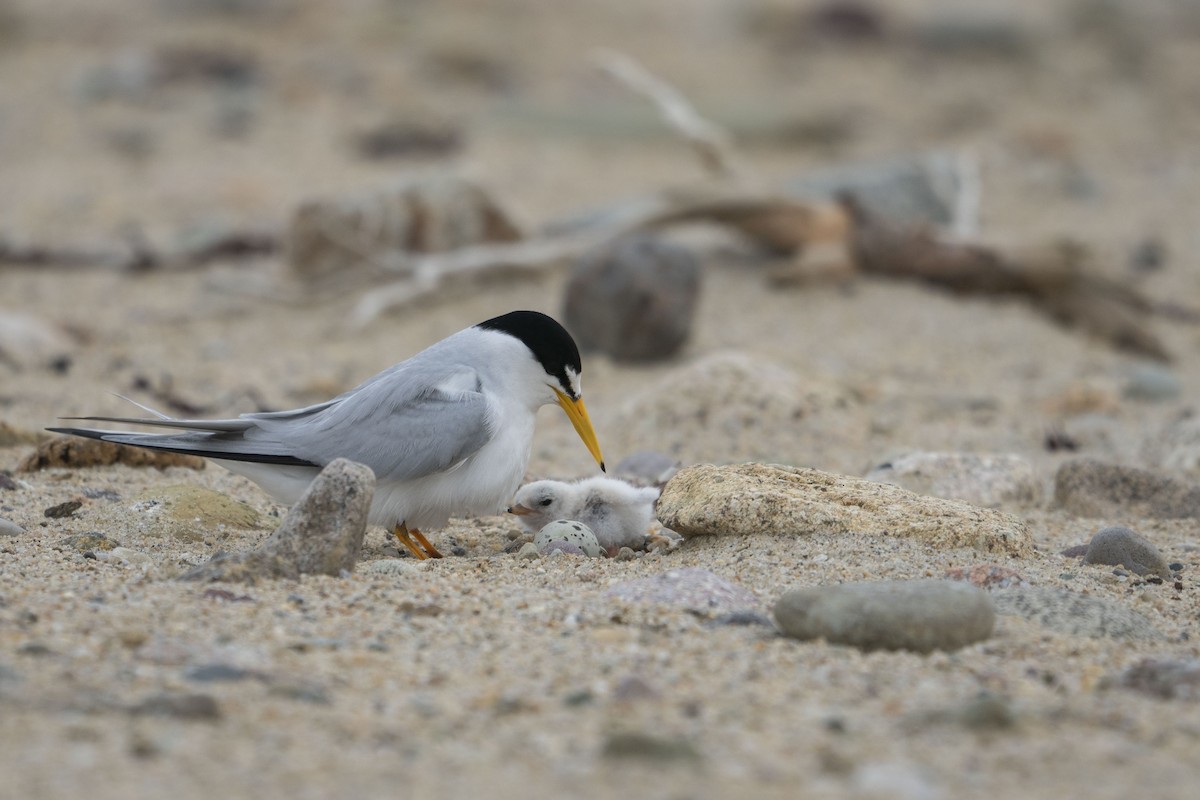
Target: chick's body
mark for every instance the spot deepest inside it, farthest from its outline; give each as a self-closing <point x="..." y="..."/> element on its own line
<point x="619" y="513"/>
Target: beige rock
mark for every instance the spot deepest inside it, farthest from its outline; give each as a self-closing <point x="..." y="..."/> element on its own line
<point x="756" y="498"/>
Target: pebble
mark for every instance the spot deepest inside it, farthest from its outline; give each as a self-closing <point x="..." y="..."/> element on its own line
<point x="1075" y="614"/>
<point x="1090" y="488"/>
<point x="529" y="551"/>
<point x="633" y="299"/>
<point x="9" y="528"/>
<point x="201" y="707"/>
<point x="1120" y="546"/>
<point x="922" y="615"/>
<point x="88" y="542"/>
<point x="916" y="190"/>
<point x="321" y="535"/>
<point x="1152" y="382"/>
<point x="63" y="510"/>
<point x="694" y="589"/>
<point x="990" y="481"/>
<point x="1169" y="680"/>
<point x="745" y="499"/>
<point x="626" y="554"/>
<point x="567" y="532"/>
<point x="221" y="673"/>
<point x="652" y="747"/>
<point x="127" y="556"/>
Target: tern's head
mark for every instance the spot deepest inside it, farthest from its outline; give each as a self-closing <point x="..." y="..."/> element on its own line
<point x="553" y="348"/>
<point x="542" y="502"/>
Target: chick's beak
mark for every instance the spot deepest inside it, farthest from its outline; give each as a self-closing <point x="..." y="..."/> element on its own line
<point x="520" y="510"/>
<point x="577" y="413"/>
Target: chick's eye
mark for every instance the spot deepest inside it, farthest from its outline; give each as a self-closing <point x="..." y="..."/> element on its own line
<point x="546" y="502"/>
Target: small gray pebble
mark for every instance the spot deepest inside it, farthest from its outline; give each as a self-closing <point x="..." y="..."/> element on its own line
<point x="1120" y="546"/>
<point x="626" y="554"/>
<point x="9" y="528"/>
<point x="1152" y="382"/>
<point x="529" y="551"/>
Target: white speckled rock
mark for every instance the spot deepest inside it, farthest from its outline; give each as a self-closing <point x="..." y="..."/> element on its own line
<point x="923" y="616"/>
<point x="569" y="531"/>
<point x="743" y="499"/>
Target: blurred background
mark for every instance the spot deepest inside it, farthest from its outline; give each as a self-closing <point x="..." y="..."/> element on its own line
<point x="135" y="134"/>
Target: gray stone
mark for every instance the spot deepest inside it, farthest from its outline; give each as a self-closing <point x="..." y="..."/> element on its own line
<point x="922" y="616"/>
<point x="1090" y="488"/>
<point x="696" y="590"/>
<point x="202" y="707"/>
<point x="1121" y="547"/>
<point x="321" y="535"/>
<point x="651" y="747"/>
<point x="1169" y="680"/>
<point x="910" y="190"/>
<point x="1074" y="614"/>
<point x="529" y="551"/>
<point x="745" y="499"/>
<point x="990" y="481"/>
<point x="1152" y="382"/>
<point x="9" y="528"/>
<point x="634" y="299"/>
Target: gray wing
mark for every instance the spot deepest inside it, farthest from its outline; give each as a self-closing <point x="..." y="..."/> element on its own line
<point x="410" y="421"/>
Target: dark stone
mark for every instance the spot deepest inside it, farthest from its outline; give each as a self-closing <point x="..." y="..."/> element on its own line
<point x="180" y="706"/>
<point x="634" y="299"/>
<point x="63" y="509"/>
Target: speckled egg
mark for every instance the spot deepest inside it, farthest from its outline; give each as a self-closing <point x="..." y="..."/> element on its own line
<point x="570" y="531"/>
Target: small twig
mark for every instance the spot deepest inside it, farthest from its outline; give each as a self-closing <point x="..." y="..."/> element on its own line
<point x="711" y="142"/>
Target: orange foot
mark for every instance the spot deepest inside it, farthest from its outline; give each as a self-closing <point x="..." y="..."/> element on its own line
<point x="406" y="536"/>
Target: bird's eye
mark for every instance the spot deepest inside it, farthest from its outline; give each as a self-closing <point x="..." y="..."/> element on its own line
<point x="546" y="502"/>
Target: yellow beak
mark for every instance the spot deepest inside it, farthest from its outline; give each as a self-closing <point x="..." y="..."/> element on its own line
<point x="577" y="413"/>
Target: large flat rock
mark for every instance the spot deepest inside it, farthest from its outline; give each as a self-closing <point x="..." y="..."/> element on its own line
<point x="743" y="499"/>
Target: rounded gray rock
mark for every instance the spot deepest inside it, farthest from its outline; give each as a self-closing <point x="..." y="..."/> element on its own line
<point x="1090" y="488"/>
<point x="633" y="300"/>
<point x="922" y="616"/>
<point x="1119" y="546"/>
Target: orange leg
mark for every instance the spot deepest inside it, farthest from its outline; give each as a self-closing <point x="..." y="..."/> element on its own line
<point x="429" y="548"/>
<point x="406" y="536"/>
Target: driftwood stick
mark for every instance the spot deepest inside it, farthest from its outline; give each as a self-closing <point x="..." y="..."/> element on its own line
<point x="710" y="141"/>
<point x="778" y="224"/>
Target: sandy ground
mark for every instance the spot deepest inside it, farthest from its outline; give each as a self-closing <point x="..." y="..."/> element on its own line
<point x="486" y="673"/>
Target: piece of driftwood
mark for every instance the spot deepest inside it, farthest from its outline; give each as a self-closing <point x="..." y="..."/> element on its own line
<point x="780" y="225"/>
<point x="136" y="254"/>
<point x="1056" y="277"/>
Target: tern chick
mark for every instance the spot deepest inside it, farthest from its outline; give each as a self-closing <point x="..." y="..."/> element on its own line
<point x="446" y="432"/>
<point x="618" y="513"/>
